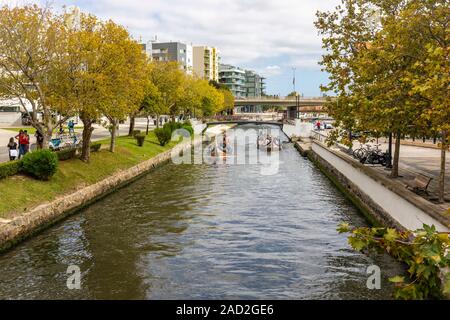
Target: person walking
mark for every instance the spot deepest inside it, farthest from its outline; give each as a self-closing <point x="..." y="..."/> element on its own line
<point x="71" y="127"/>
<point x="25" y="142"/>
<point x="12" y="148"/>
<point x="19" y="140"/>
<point x="39" y="139"/>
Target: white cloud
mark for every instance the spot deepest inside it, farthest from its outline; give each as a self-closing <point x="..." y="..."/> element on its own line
<point x="271" y="71"/>
<point x="243" y="30"/>
<point x="269" y="36"/>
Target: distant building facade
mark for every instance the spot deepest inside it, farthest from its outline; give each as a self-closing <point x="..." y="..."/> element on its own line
<point x="206" y="62"/>
<point x="171" y="51"/>
<point x="12" y="112"/>
<point x="254" y="84"/>
<point x="243" y="84"/>
<point x="234" y="78"/>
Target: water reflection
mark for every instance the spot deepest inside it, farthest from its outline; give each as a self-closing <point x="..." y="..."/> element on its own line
<point x="203" y="231"/>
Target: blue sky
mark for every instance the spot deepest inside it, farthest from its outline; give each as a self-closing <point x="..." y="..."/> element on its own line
<point x="268" y="36"/>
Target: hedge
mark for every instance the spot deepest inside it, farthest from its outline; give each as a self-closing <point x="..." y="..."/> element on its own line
<point x="95" y="146"/>
<point x="66" y="154"/>
<point x="140" y="138"/>
<point x="136" y="132"/>
<point x="10" y="168"/>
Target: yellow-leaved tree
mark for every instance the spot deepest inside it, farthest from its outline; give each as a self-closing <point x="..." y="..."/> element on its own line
<point x="169" y="81"/>
<point x="32" y="46"/>
<point x="124" y="75"/>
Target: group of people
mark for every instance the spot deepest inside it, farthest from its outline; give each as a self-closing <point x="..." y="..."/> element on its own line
<point x="19" y="148"/>
<point x="22" y="146"/>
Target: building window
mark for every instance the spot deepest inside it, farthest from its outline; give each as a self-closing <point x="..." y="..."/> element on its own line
<point x="9" y="109"/>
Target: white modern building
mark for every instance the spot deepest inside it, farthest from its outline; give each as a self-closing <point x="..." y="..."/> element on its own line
<point x="11" y="112"/>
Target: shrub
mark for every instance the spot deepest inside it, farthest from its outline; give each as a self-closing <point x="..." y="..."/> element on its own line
<point x="66" y="154"/>
<point x="163" y="134"/>
<point x="10" y="168"/>
<point x="188" y="128"/>
<point x="424" y="251"/>
<point x="95" y="147"/>
<point x="140" y="138"/>
<point x="136" y="132"/>
<point x="41" y="164"/>
<point x="172" y="126"/>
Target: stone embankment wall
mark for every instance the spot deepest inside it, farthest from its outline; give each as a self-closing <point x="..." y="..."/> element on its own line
<point x="383" y="201"/>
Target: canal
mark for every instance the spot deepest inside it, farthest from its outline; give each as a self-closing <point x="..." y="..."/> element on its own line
<point x="208" y="231"/>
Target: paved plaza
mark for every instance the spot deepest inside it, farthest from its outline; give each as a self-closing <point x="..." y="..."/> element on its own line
<point x="419" y="160"/>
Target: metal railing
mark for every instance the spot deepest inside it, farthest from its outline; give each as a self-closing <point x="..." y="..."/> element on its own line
<point x="323" y="138"/>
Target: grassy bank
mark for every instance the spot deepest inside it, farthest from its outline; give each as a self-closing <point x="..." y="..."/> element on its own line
<point x="20" y="193"/>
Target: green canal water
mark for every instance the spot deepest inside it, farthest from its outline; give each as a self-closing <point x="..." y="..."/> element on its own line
<point x="209" y="231"/>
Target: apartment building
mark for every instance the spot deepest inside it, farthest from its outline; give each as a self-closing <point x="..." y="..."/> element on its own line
<point x="234" y="78"/>
<point x="242" y="83"/>
<point x="206" y="62"/>
<point x="171" y="51"/>
<point x="255" y="85"/>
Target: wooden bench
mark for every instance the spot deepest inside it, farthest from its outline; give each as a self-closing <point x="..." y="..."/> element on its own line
<point x="420" y="183"/>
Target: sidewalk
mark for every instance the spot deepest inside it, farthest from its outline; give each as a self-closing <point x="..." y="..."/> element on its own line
<point x="99" y="133"/>
<point x="420" y="160"/>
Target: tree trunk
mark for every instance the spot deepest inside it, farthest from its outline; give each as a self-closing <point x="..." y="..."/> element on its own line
<point x="132" y="123"/>
<point x="86" y="143"/>
<point x="47" y="130"/>
<point x="148" y="124"/>
<point x="47" y="137"/>
<point x="442" y="172"/>
<point x="112" y="145"/>
<point x="394" y="172"/>
<point x="157" y="121"/>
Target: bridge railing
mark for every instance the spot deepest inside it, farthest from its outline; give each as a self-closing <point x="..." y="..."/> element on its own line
<point x="281" y="98"/>
<point x="240" y="117"/>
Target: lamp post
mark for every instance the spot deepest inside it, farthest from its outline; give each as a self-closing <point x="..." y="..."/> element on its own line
<point x="293" y="78"/>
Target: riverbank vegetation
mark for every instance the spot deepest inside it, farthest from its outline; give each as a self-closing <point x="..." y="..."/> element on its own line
<point x="389" y="68"/>
<point x="424" y="251"/>
<point x="21" y="193"/>
<point x="388" y="63"/>
<point x="74" y="64"/>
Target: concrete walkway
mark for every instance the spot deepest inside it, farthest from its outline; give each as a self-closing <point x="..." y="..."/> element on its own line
<point x="98" y="134"/>
<point x="420" y="160"/>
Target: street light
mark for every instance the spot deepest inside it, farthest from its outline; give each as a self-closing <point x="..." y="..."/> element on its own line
<point x="293" y="77"/>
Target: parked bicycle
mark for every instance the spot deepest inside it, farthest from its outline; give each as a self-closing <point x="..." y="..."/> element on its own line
<point x="368" y="154"/>
<point x="362" y="151"/>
